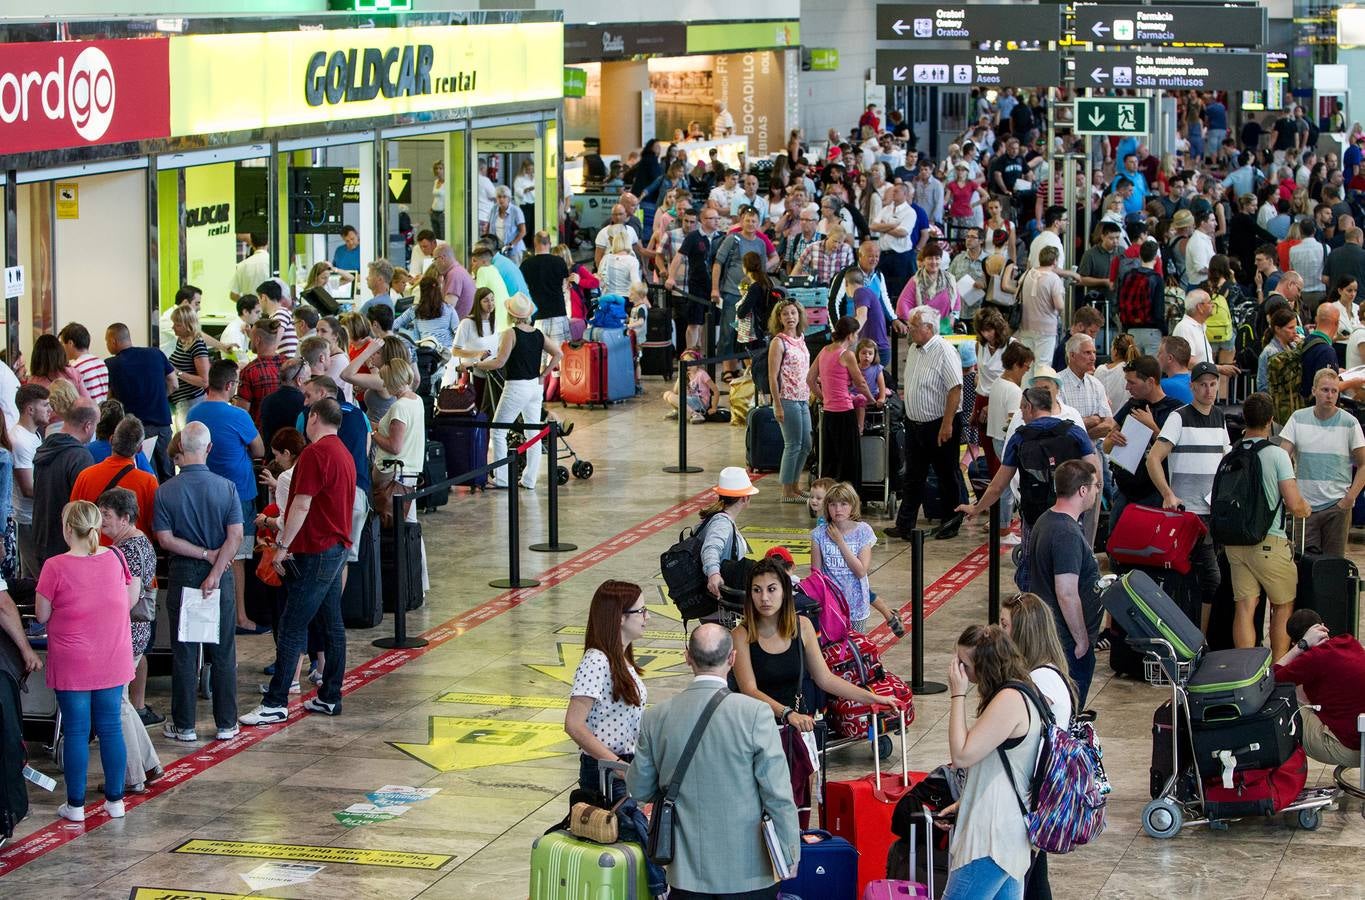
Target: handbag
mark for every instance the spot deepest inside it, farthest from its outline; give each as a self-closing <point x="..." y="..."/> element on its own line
<point x="593" y="823"/>
<point x="458" y="399"/>
<point x="662" y="829"/>
<point x="265" y="569"/>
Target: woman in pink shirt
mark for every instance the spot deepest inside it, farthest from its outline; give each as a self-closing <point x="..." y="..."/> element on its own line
<point x="48" y="362"/>
<point x="85" y="596"/>
<point x="841" y="456"/>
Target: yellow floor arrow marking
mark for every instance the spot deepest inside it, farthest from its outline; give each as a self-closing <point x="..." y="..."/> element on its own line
<point x="508" y="700"/>
<point x="654" y="660"/>
<point x="457" y="743"/>
<point x="649" y="635"/>
<point x="156" y="893"/>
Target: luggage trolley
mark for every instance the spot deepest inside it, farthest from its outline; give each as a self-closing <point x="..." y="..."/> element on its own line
<point x="1170" y="811"/>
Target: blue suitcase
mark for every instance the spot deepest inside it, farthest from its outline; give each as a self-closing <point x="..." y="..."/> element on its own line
<point x="620" y="362"/>
<point x="763" y="444"/>
<point x="466" y="449"/>
<point x="828" y="868"/>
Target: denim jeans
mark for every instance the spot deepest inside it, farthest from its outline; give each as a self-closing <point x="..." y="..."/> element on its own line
<point x="161" y="460"/>
<point x="221" y="657"/>
<point x="795" y="440"/>
<point x="632" y="824"/>
<point x="313" y="582"/>
<point x="982" y="879"/>
<point x="79" y="709"/>
<point x="1148" y="340"/>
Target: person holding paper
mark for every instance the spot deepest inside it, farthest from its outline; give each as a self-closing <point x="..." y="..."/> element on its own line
<point x="198" y="521"/>
<point x="1150" y="406"/>
<point x="84" y="596"/>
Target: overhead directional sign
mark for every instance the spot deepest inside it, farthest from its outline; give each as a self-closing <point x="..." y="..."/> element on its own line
<point x="1173" y="69"/>
<point x="997" y="69"/>
<point x="1227" y="26"/>
<point x="968" y="22"/>
<point x="1111" y="115"/>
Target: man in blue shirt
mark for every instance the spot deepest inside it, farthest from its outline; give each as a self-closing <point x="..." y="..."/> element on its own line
<point x="1174" y="357"/>
<point x="1216" y="124"/>
<point x="511" y="275"/>
<point x="142" y="378"/>
<point x="347" y="256"/>
<point x="1138" y="199"/>
<point x="355" y="435"/>
<point x="234" y="444"/>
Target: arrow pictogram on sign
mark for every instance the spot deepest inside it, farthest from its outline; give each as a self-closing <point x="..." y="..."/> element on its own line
<point x="456" y="743"/>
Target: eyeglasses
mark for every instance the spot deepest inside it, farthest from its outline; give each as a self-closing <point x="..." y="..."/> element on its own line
<point x="642" y="612"/>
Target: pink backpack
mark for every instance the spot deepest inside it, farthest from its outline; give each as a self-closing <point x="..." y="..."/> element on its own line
<point x="835" y="623"/>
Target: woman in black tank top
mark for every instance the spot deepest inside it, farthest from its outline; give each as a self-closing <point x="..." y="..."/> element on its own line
<point x="521" y="351"/>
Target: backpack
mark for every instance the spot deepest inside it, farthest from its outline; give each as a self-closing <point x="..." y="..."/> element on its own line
<point x="835" y="623"/>
<point x="1135" y="297"/>
<point x="611" y="313"/>
<point x="1284" y="375"/>
<point x="1240" y="513"/>
<point x="1040" y="451"/>
<point x="1248" y="352"/>
<point x="1067" y="801"/>
<point x="835" y="284"/>
<point x="682" y="572"/>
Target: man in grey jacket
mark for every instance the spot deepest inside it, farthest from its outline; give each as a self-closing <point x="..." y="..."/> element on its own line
<point x="738" y="773"/>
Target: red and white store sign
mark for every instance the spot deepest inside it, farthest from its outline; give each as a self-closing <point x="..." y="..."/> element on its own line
<point x="79" y="93"/>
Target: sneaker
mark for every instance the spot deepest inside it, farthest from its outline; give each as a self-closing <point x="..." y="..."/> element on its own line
<point x="189" y="735"/>
<point x="1010" y="539"/>
<point x="670" y="415"/>
<point x="293" y="688"/>
<point x="315" y="676"/>
<point x="71" y="813"/>
<point x="264" y="715"/>
<point x="227" y="734"/>
<point x="114" y="808"/>
<point x="697" y="419"/>
<point x="155" y="774"/>
<point x="150" y="716"/>
<point x="896" y="625"/>
<point x="313" y="704"/>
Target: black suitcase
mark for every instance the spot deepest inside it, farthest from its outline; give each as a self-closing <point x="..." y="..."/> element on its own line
<point x="13" y="757"/>
<point x="1330" y="586"/>
<point x="362" y="605"/>
<point x="1124" y="659"/>
<point x="1262" y="740"/>
<point x="657" y="359"/>
<point x="1230" y="684"/>
<point x="1224" y="609"/>
<point x="388" y="563"/>
<point x="763" y="442"/>
<point x="1163" y="756"/>
<point x="434" y="472"/>
<point x="1141" y="608"/>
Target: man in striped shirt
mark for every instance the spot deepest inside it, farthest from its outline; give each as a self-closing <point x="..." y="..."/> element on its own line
<point x="933" y="395"/>
<point x="75" y="339"/>
<point x="1195" y="439"/>
<point x="277" y="304"/>
<point x="1325" y="442"/>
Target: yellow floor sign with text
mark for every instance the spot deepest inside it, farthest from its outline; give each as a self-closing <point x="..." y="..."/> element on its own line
<point x="305" y="853"/>
<point x="456" y="743"/>
<point x="156" y="893"/>
<point x="655" y="661"/>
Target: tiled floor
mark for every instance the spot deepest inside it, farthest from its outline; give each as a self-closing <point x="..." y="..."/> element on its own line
<point x="502" y="782"/>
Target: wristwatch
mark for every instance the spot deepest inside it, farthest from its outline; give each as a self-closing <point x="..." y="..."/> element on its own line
<point x="1303" y="644"/>
<point x="786" y="713"/>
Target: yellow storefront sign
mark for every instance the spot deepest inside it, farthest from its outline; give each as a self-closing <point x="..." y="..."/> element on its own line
<point x="68" y="200"/>
<point x="156" y="893"/>
<point x="303" y="853"/>
<point x="285" y="78"/>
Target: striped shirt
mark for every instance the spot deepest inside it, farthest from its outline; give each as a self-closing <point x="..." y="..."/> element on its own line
<point x="95" y="374"/>
<point x="1198" y="444"/>
<point x="1322" y="451"/>
<point x="289" y="338"/>
<point x="931" y="372"/>
<point x="1086" y="394"/>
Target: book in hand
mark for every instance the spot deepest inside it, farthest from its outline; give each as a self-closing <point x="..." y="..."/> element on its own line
<point x="783" y="867"/>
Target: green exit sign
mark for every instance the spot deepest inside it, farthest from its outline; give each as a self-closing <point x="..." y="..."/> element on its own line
<point x="370" y="6"/>
<point x="1111" y="115"/>
<point x="575" y="82"/>
<point x="824" y="59"/>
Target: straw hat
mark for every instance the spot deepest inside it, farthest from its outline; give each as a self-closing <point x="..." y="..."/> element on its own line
<point x="519" y="306"/>
<point x="1046" y="372"/>
<point x="734" y="482"/>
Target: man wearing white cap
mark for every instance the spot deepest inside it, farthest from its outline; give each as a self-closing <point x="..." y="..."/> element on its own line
<point x="519" y="356"/>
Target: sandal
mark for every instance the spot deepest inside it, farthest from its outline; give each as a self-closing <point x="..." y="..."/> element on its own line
<point x="897" y="627"/>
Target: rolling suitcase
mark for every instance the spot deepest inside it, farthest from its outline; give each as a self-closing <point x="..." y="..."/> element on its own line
<point x="1264" y="739"/>
<point x="658" y="351"/>
<point x="583" y="373"/>
<point x="1163" y="760"/>
<point x="1152" y="537"/>
<point x="1145" y="612"/>
<point x="1330" y="586"/>
<point x="434" y="472"/>
<point x="828" y="870"/>
<point x="13" y="757"/>
<point x="901" y="889"/>
<point x="466" y="449"/>
<point x="763" y="444"/>
<point x="620" y="362"/>
<point x="362" y="603"/>
<point x="1229" y="684"/>
<point x="1257" y="792"/>
<point x="564" y="867"/>
<point x="860" y="812"/>
<point x="388" y="563"/>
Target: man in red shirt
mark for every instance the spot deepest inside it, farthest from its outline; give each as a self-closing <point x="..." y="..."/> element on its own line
<point x="311" y="554"/>
<point x="1329" y="671"/>
<point x="261" y="377"/>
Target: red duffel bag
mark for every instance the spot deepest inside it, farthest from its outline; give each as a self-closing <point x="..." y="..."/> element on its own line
<point x="1155" y="538"/>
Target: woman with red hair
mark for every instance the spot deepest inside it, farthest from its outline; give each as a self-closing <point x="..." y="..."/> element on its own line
<point x="607" y="702"/>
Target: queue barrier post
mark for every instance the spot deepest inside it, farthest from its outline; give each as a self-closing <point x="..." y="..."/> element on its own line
<point x="682" y="468"/>
<point x="993" y="567"/>
<point x="917" y="683"/>
<point x="554" y="544"/>
<point x="514" y="579"/>
<point x="400" y="639"/>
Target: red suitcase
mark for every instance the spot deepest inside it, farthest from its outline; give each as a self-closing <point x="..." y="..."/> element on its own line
<point x="849" y="718"/>
<point x="583" y="373"/>
<point x="1159" y="538"/>
<point x="859" y="811"/>
<point x="854" y="659"/>
<point x="1257" y="791"/>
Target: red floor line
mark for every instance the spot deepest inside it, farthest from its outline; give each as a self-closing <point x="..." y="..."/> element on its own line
<point x="61" y="832"/>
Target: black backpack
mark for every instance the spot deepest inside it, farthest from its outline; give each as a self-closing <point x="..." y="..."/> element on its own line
<point x="1240" y="513"/>
<point x="1041" y="451"/>
<point x="680" y="566"/>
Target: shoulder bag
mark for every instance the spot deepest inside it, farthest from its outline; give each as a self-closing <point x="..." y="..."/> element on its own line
<point x="659" y="847"/>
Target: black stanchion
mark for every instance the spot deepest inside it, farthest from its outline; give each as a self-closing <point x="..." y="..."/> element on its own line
<point x="554" y="544"/>
<point x="682" y="468"/>
<point x="993" y="567"/>
<point x="712" y="320"/>
<point x="514" y="579"/>
<point x="917" y="682"/>
<point x="400" y="639"/>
